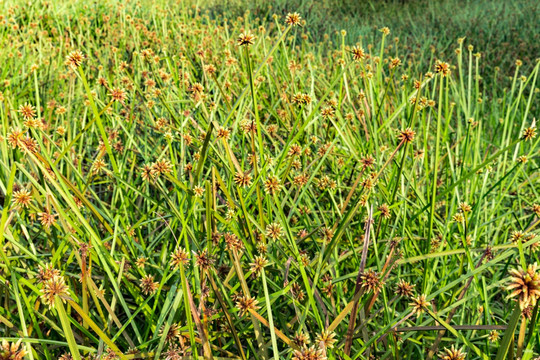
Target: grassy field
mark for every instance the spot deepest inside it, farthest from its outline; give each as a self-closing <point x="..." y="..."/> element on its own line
<point x="175" y="185"/>
<point x="500" y="30"/>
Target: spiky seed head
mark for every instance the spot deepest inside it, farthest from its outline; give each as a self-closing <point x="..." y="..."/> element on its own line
<point x="529" y="133"/>
<point x="419" y="303"/>
<point x="525" y="285"/>
<point x="12" y="351"/>
<point x="273" y="231"/>
<point x="309" y="353"/>
<point x="452" y="353"/>
<point x="406" y="136"/>
<point x="246" y="39"/>
<point x="327" y="339"/>
<point x="246" y="303"/>
<point x="75" y="59"/>
<point x="404" y="288"/>
<point x="293" y="19"/>
<point x="258" y="265"/>
<point x="52" y="288"/>
<point x="148" y="285"/>
<point x="179" y="257"/>
<point x="22" y="198"/>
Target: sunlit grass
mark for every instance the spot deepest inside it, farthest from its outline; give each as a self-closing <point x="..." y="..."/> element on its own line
<point x="179" y="187"/>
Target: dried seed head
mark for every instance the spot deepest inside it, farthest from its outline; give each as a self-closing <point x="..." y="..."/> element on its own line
<point x="273" y="231"/>
<point x="148" y="285"/>
<point x="452" y="354"/>
<point x="246" y="39"/>
<point x="258" y="265"/>
<point x="242" y="179"/>
<point x="74" y="59"/>
<point x="246" y="303"/>
<point x="309" y="353"/>
<point x="12" y="351"/>
<point x="525" y="284"/>
<point x="179" y="257"/>
<point x="406" y="135"/>
<point x="52" y="288"/>
<point x="404" y="288"/>
<point x="419" y="303"/>
<point x="293" y="19"/>
<point x="326" y="339"/>
<point x="529" y="133"/>
<point x="22" y="198"/>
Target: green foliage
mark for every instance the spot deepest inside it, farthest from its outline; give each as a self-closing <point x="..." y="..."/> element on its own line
<point x="173" y="193"/>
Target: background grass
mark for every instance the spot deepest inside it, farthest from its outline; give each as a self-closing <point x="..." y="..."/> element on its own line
<point x="502" y="31"/>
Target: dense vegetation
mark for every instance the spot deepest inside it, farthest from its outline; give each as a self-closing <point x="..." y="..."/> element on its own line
<point x="177" y="185"/>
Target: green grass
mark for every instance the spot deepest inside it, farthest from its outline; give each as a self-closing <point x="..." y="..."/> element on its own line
<point x="210" y="200"/>
<point x="501" y="31"/>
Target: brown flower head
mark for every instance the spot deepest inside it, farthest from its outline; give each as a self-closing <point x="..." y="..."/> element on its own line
<point x="385" y="211"/>
<point x="242" y="179"/>
<point x="15" y="138"/>
<point x="246" y="39"/>
<point x="258" y="265"/>
<point x="179" y="257"/>
<point x="27" y="111"/>
<point x="452" y="354"/>
<point x="442" y="68"/>
<point x="173" y="334"/>
<point x="406" y="135"/>
<point x="327" y="339"/>
<point x="12" y="351"/>
<point x="293" y="19"/>
<point x="529" y="133"/>
<point x="46" y="273"/>
<point x="74" y="59"/>
<point x="404" y="288"/>
<point x="272" y="185"/>
<point x="161" y="167"/>
<point x="309" y="353"/>
<point x="148" y="285"/>
<point x="370" y="280"/>
<point x="47" y="219"/>
<point x="246" y="303"/>
<point x="22" y="198"/>
<point x="525" y="284"/>
<point x="52" y="288"/>
<point x="419" y="303"/>
<point x="233" y="242"/>
<point x="273" y="231"/>
<point x="118" y="94"/>
<point x="358" y="53"/>
<point x="301" y="339"/>
<point x="204" y="260"/>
